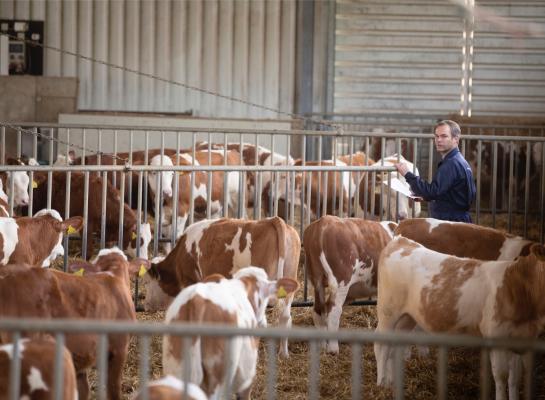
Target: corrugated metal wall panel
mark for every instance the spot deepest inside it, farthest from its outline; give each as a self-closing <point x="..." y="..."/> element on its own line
<point x="509" y="70"/>
<point x="398" y="56"/>
<point x="243" y="49"/>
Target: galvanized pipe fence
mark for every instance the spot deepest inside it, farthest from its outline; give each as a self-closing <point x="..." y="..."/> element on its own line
<point x="60" y="328"/>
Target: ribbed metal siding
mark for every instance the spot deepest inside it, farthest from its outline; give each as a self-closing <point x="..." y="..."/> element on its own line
<point x="398" y="56"/>
<point x="243" y="49"/>
<point x="509" y="71"/>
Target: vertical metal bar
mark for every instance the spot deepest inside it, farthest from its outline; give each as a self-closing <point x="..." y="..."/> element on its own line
<point x="138" y="214"/>
<point x="259" y="189"/>
<point x="85" y="216"/>
<point x="103" y="209"/>
<point x="3" y="144"/>
<point x="68" y="189"/>
<point x="15" y="368"/>
<point x="314" y="373"/>
<point x="494" y="181"/>
<point x="31" y="173"/>
<point x="381" y="190"/>
<point x="430" y="159"/>
<point x="19" y="143"/>
<point x="356" y="371"/>
<point x="485" y="372"/>
<point x="350" y="181"/>
<point x="187" y="362"/>
<point x="157" y="219"/>
<point x="257" y="194"/>
<point x="121" y="211"/>
<point x="334" y="183"/>
<point x="529" y="376"/>
<point x="271" y="369"/>
<point x="192" y="185"/>
<point x="143" y="362"/>
<point x="325" y="175"/>
<point x="479" y="172"/>
<point x="288" y="206"/>
<point x="542" y="200"/>
<point x="229" y="368"/>
<point x="129" y="186"/>
<point x="58" y="377"/>
<point x="366" y="192"/>
<point x="319" y="180"/>
<point x="145" y="181"/>
<point x="292" y="203"/>
<point x="225" y="175"/>
<point x="102" y="366"/>
<point x="303" y="177"/>
<point x="442" y="367"/>
<point x="399" y="372"/>
<point x="415" y="157"/>
<point x="527" y="187"/>
<point x="241" y="212"/>
<point x="49" y="173"/>
<point x="114" y="162"/>
<point x="209" y="181"/>
<point x="274" y="174"/>
<point x="83" y="144"/>
<point x="511" y="184"/>
<point x="175" y="195"/>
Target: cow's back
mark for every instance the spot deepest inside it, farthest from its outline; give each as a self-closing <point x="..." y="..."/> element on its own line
<point x="462" y="239"/>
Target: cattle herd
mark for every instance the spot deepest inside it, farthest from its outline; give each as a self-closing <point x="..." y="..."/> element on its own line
<point x="426" y="274"/>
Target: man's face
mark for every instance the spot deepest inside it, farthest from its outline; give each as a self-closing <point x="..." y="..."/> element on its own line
<point x="444" y="142"/>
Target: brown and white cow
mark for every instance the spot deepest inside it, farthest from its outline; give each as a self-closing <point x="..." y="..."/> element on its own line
<point x="224" y="246"/>
<point x="103" y="292"/>
<point x="443" y="293"/>
<point x="36" y="241"/>
<point x="170" y="388"/>
<point x="252" y="155"/>
<point x="77" y="182"/>
<point x="342" y="258"/>
<point x="464" y="240"/>
<point x="201" y="185"/>
<point x="37" y="370"/>
<point x="241" y="302"/>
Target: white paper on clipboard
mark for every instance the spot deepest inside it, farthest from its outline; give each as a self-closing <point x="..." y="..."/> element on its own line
<point x="401" y="187"/>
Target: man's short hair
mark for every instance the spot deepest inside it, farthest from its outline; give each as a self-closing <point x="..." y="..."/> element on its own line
<point x="455" y="130"/>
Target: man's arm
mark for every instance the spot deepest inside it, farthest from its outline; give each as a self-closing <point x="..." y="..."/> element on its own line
<point x="441" y="183"/>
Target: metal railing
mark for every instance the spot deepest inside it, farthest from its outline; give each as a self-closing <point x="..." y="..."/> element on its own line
<point x="355" y="338"/>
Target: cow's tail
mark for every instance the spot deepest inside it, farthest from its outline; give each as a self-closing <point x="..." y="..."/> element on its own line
<point x="281" y="239"/>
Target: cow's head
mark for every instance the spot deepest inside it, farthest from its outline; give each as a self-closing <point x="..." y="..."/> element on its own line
<point x="60" y="227"/>
<point x="156" y="298"/>
<point x="112" y="261"/>
<point x="165" y="177"/>
<point x="145" y="240"/>
<point x="260" y="290"/>
<point x="20" y="181"/>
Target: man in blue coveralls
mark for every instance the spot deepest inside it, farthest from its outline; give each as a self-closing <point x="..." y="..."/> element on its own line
<point x="452" y="189"/>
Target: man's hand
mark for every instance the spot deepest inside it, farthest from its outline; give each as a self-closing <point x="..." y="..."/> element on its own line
<point x="402" y="168"/>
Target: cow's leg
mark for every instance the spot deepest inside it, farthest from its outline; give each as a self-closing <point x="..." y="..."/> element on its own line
<point x="333" y="317"/>
<point x="245" y="394"/>
<point x="387" y="321"/>
<point x="116" y="361"/>
<point x="83" y="385"/>
<point x="500" y="370"/>
<point x="515" y="372"/>
<point x="284" y="321"/>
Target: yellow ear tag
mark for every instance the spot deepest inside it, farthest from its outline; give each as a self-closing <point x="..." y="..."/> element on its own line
<point x="71" y="230"/>
<point x="281" y="293"/>
<point x="79" y="272"/>
<point x="34" y="184"/>
<point x="142" y="271"/>
<point x="133" y="236"/>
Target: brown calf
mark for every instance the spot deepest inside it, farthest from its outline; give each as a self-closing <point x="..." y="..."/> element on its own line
<point x="103" y="292"/>
<point x="37" y="240"/>
<point x="37" y="370"/>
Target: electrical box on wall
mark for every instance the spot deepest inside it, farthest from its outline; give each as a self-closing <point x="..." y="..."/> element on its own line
<point x="21" y="48"/>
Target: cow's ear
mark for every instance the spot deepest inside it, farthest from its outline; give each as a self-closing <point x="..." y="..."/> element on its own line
<point x="213" y="278"/>
<point x="82" y="268"/>
<point x="539" y="251"/>
<point x="285" y="286"/>
<point x="139" y="267"/>
<point x="72" y="225"/>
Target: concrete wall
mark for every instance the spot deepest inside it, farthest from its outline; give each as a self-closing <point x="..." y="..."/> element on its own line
<point x="34" y="98"/>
